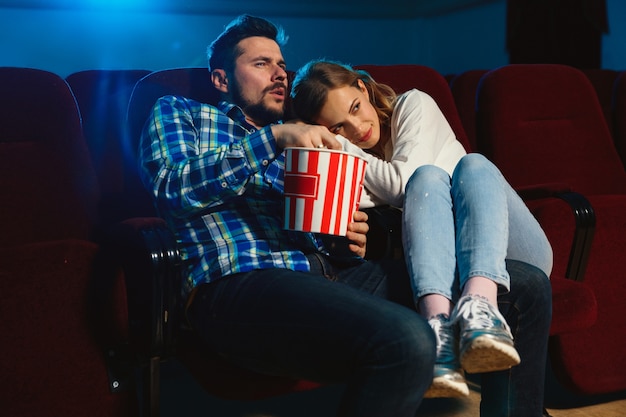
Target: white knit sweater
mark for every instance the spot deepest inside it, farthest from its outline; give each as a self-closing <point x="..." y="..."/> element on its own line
<point x="420" y="135"/>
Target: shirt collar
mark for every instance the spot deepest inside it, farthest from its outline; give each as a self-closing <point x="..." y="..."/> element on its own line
<point x="235" y="113"/>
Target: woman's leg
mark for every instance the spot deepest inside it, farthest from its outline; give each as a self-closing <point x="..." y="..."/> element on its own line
<point x="428" y="234"/>
<point x="527" y="241"/>
<point x="493" y="224"/>
<point x="482" y="220"/>
<point x="487" y="210"/>
<point x="429" y="247"/>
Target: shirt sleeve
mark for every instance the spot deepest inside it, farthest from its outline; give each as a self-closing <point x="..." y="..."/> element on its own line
<point x="194" y="157"/>
<point x="420" y="135"/>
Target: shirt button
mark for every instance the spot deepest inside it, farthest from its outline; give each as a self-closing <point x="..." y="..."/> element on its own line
<point x="224" y="184"/>
<point x="265" y="162"/>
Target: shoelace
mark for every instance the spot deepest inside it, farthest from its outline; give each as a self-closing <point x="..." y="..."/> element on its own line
<point x="478" y="314"/>
<point x="445" y="338"/>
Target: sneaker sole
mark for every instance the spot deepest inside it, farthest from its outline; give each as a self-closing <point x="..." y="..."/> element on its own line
<point x="444" y="388"/>
<point x="485" y="354"/>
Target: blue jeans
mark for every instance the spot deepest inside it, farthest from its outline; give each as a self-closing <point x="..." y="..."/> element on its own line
<point x="527" y="308"/>
<point x="465" y="226"/>
<point x="357" y="324"/>
<point x="335" y="324"/>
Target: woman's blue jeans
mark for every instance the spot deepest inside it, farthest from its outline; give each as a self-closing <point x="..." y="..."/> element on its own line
<point x="466" y="226"/>
<point x="357" y="324"/>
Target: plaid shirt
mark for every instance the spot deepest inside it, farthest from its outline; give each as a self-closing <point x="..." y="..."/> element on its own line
<point x="218" y="182"/>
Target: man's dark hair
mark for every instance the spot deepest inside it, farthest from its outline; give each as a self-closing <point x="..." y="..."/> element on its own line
<point x="223" y="51"/>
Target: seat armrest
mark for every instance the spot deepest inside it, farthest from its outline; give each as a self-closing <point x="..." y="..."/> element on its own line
<point x="584" y="222"/>
<point x="384" y="239"/>
<point x="147" y="252"/>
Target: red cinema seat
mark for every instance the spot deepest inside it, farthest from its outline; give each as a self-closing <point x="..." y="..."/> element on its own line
<point x="619" y="115"/>
<point x="62" y="309"/>
<point x="542" y="124"/>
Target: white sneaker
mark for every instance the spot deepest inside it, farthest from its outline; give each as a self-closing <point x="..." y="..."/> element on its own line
<point x="486" y="342"/>
<point x="448" y="380"/>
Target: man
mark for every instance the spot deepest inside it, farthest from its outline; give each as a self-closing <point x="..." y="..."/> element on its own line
<point x="277" y="301"/>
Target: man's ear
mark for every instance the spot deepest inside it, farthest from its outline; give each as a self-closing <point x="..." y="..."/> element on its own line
<point x="219" y="80"/>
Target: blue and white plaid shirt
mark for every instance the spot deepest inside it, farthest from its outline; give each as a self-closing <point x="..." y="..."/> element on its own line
<point x="218" y="182"/>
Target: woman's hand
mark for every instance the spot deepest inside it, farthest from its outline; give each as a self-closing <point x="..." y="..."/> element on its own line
<point x="357" y="233"/>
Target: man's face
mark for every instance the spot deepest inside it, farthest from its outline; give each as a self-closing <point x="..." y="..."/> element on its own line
<point x="259" y="81"/>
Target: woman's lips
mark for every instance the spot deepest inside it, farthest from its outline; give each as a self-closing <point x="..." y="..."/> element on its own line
<point x="366" y="136"/>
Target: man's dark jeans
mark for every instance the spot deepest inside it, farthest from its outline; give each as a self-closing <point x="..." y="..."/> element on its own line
<point x="527" y="308"/>
<point x="358" y="325"/>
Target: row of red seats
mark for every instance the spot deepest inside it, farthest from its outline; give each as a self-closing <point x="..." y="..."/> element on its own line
<point x="63" y="307"/>
<point x="544" y="126"/>
<point x="65" y="182"/>
<point x="103" y="97"/>
<point x="609" y="86"/>
<point x="563" y="176"/>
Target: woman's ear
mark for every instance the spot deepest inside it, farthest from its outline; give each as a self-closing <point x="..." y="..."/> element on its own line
<point x="219" y="80"/>
<point x="363" y="88"/>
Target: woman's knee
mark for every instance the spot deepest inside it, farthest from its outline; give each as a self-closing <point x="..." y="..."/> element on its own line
<point x="427" y="177"/>
<point x="474" y="165"/>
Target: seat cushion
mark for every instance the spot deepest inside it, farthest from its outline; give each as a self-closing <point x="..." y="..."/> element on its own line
<point x="55" y="333"/>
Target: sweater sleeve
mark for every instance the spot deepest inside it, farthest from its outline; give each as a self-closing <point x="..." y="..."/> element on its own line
<point x="420" y="135"/>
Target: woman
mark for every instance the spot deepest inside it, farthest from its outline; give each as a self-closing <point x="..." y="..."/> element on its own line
<point x="461" y="219"/>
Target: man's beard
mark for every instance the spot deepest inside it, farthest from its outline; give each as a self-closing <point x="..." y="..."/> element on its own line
<point x="258" y="112"/>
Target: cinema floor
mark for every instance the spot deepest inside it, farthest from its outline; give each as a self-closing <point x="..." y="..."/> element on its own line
<point x="182" y="397"/>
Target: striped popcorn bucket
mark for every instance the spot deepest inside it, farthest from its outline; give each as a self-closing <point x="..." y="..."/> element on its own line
<point x="322" y="189"/>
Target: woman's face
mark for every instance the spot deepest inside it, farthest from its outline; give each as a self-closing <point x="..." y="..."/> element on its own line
<point x="349" y="113"/>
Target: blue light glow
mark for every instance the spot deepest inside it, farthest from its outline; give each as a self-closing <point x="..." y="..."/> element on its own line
<point x="120" y="4"/>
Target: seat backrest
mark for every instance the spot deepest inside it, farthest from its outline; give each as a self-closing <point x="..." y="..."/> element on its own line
<point x="403" y="77"/>
<point x="463" y="87"/>
<point x="619" y="115"/>
<point x="542" y="123"/>
<point x="603" y="80"/>
<point x="49" y="187"/>
<point x="193" y="83"/>
<point x="102" y="97"/>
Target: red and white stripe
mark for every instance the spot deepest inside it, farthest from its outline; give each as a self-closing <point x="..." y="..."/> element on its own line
<point x="322" y="189"/>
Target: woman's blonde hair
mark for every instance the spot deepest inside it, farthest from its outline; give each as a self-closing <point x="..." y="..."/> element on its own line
<point x="313" y="81"/>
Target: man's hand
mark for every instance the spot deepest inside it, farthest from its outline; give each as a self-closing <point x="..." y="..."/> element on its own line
<point x="357" y="233"/>
<point x="299" y="134"/>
